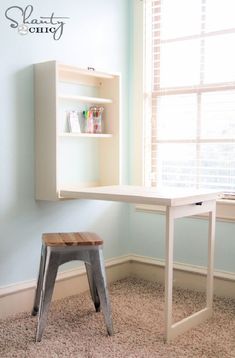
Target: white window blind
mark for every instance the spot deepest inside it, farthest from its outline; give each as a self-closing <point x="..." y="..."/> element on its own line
<point x="190" y="94"/>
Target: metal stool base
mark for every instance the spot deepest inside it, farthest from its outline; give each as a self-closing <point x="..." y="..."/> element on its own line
<point x="51" y="259"/>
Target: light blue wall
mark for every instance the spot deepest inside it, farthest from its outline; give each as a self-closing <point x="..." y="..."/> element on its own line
<point x="147" y="232"/>
<point x="95" y="35"/>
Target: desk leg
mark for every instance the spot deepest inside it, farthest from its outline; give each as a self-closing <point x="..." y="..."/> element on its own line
<point x="211" y="248"/>
<point x="169" y="248"/>
<point x="171" y="331"/>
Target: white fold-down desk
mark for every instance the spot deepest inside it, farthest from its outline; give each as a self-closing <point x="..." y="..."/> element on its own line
<point x="179" y="203"/>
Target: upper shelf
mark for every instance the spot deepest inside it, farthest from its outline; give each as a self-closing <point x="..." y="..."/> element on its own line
<point x="75" y="70"/>
<point x="86" y="99"/>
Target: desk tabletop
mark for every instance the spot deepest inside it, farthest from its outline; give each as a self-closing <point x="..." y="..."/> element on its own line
<point x="141" y="195"/>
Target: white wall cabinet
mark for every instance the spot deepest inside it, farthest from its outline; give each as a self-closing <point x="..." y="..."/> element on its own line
<point x="66" y="160"/>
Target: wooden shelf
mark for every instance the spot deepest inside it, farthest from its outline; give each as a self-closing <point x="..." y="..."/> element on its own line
<point x="86" y="135"/>
<point x="86" y="99"/>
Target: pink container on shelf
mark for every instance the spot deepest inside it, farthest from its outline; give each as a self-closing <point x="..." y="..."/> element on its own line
<point x="97" y="119"/>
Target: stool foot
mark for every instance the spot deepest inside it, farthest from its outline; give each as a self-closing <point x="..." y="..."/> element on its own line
<point x="110" y="332"/>
<point x="34" y="311"/>
<point x="97" y="307"/>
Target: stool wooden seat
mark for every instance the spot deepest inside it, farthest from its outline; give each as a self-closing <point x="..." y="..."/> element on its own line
<point x="71" y="239"/>
<point x="58" y="248"/>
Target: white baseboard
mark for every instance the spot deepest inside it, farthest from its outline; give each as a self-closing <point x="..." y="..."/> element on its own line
<point x="185" y="275"/>
<point x="19" y="297"/>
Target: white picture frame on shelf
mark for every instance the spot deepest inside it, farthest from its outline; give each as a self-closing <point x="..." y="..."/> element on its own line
<point x="73" y="122"/>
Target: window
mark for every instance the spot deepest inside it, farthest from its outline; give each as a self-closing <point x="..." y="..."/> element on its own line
<point x="190" y="94"/>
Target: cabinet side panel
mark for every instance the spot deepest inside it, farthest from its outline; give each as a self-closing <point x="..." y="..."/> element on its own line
<point x="45" y="130"/>
<point x="110" y="149"/>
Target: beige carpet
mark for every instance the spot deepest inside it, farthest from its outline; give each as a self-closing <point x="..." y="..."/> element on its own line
<point x="75" y="330"/>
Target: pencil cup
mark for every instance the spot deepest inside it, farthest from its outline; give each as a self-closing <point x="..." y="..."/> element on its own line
<point x="97" y="121"/>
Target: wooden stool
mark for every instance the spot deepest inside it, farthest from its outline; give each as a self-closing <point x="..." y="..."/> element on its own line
<point x="58" y="248"/>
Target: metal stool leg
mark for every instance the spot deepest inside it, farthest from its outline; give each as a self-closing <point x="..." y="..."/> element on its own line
<point x="51" y="268"/>
<point x="97" y="262"/>
<point x="39" y="282"/>
<point x="93" y="288"/>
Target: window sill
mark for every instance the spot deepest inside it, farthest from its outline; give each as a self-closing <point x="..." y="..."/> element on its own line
<point x="225" y="210"/>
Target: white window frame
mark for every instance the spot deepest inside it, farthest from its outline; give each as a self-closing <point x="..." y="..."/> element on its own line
<point x="225" y="207"/>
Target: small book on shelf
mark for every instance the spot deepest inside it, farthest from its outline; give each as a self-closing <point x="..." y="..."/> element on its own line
<point x="73" y="122"/>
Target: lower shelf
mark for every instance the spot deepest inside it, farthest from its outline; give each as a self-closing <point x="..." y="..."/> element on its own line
<point x="87" y="135"/>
